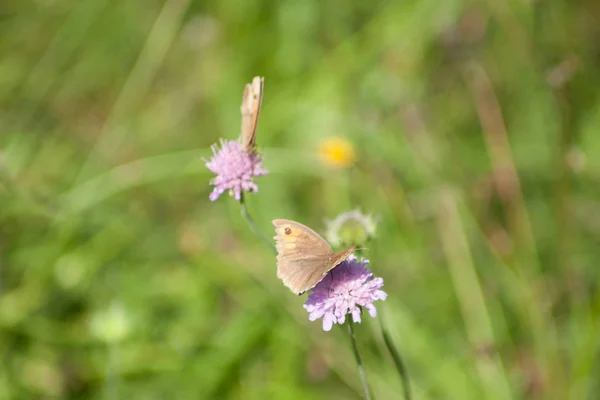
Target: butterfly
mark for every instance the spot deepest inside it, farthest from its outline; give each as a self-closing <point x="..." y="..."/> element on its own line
<point x="251" y="102"/>
<point x="303" y="256"/>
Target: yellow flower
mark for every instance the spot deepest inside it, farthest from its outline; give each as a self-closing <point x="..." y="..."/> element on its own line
<point x="337" y="152"/>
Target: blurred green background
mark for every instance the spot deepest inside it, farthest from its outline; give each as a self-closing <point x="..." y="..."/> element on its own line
<point x="476" y="130"/>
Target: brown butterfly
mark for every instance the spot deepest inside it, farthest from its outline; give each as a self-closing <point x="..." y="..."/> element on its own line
<point x="251" y="102"/>
<point x="303" y="256"/>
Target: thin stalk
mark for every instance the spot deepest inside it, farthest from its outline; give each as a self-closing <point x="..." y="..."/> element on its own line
<point x="111" y="380"/>
<point x="253" y="226"/>
<point x="400" y="366"/>
<point x="361" y="369"/>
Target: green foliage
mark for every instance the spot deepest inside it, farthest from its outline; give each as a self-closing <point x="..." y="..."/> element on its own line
<point x="476" y="130"/>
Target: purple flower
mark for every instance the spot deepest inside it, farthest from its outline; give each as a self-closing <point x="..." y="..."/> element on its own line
<point x="235" y="169"/>
<point x="346" y="287"/>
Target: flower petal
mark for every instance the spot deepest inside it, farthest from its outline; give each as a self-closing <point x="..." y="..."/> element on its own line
<point x="372" y="310"/>
<point x="356" y="315"/>
<point x="327" y="322"/>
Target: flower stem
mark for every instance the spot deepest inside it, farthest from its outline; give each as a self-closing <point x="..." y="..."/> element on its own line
<point x="253" y="226"/>
<point x="400" y="366"/>
<point x="361" y="369"/>
<point x="111" y="380"/>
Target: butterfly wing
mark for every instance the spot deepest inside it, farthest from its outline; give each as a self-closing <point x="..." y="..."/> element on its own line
<point x="251" y="102"/>
<point x="294" y="240"/>
<point x="302" y="275"/>
<point x="303" y="256"/>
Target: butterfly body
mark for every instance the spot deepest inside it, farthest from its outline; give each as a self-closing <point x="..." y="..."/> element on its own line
<point x="303" y="256"/>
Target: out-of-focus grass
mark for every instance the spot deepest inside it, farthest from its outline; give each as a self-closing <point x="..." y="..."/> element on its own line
<point x="476" y="130"/>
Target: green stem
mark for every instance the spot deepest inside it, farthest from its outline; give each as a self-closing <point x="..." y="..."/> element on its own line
<point x="253" y="226"/>
<point x="111" y="383"/>
<point x="361" y="369"/>
<point x="400" y="366"/>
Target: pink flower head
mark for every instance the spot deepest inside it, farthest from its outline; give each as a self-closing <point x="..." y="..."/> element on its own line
<point x="344" y="289"/>
<point x="235" y="169"/>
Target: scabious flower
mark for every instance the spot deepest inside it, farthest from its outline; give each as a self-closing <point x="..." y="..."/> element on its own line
<point x="235" y="169"/>
<point x="344" y="290"/>
<point x="351" y="228"/>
